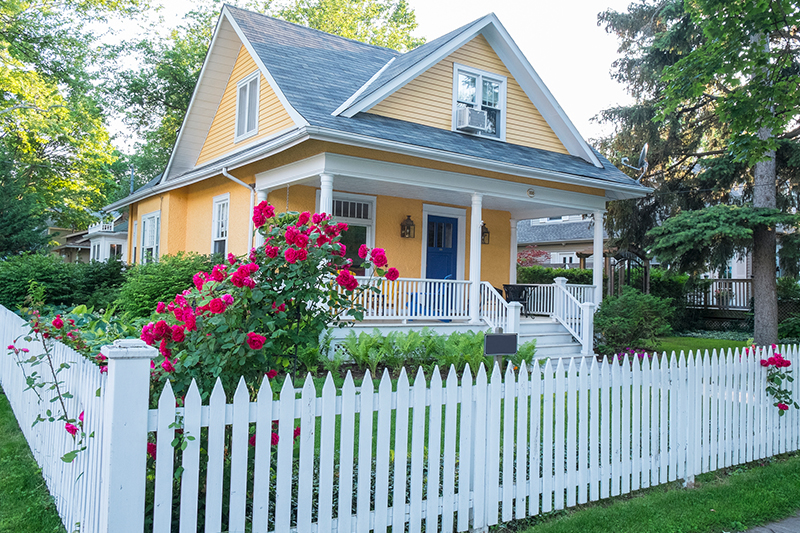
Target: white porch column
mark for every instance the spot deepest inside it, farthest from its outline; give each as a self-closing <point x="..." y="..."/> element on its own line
<point x="261" y="196"/>
<point x="512" y="270"/>
<point x="326" y="193"/>
<point x="476" y="219"/>
<point x="597" y="258"/>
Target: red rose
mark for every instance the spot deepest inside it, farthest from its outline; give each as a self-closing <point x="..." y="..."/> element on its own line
<point x="302" y="220"/>
<point x="272" y="251"/>
<point x="103" y="369"/>
<point x="72" y="429"/>
<point x="379" y="257"/>
<point x="161" y="308"/>
<point x="217" y="306"/>
<point x="291" y="234"/>
<point x="290" y="255"/>
<point x="783" y="407"/>
<point x="167" y="366"/>
<point x="772" y="360"/>
<point x="302" y="254"/>
<point x="58" y="324"/>
<point x="317" y="218"/>
<point x="252" y="440"/>
<point x="275" y="438"/>
<point x="218" y="273"/>
<point x="301" y="240"/>
<point x="347" y="280"/>
<point x="363" y="251"/>
<point x="231" y="258"/>
<point x="296" y="432"/>
<point x="255" y="341"/>
<point x="237" y="279"/>
<point x="259" y="219"/>
<point x="189" y="320"/>
<point x="392" y="274"/>
<point x="199" y="280"/>
<point x="151" y="450"/>
<point x="161" y="329"/>
<point x="271" y="374"/>
<point x="178" y="333"/>
<point x="764" y="362"/>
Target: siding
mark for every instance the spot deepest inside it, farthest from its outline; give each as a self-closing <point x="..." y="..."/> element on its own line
<point x="428" y="99"/>
<point x="272" y="117"/>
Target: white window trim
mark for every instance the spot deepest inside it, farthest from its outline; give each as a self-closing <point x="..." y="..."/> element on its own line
<point x="245" y="81"/>
<point x="155" y="215"/>
<point x="457" y="67"/>
<point x="134" y="241"/>
<point x="369" y="223"/>
<point x="451" y="212"/>
<point x="218" y="200"/>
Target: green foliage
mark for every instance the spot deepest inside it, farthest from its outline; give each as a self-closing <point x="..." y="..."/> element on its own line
<point x="544" y="275"/>
<point x="64" y="284"/>
<point x="632" y="320"/>
<point x="146" y="285"/>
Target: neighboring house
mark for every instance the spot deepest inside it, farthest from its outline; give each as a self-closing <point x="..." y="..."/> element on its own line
<point x="109" y="238"/>
<point x="568" y="239"/>
<point x="72" y="246"/>
<point x="460" y="135"/>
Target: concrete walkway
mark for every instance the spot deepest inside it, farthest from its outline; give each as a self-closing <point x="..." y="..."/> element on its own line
<point x="790" y="525"/>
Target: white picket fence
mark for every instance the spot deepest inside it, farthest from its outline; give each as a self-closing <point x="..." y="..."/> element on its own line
<point x="461" y="453"/>
<point x="75" y="486"/>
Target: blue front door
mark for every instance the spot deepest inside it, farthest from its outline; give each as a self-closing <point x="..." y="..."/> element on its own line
<point x="442" y="257"/>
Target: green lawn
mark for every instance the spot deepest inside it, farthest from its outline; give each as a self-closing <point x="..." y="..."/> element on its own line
<point x="25" y="504"/>
<point x="728" y="501"/>
<point x="676" y="344"/>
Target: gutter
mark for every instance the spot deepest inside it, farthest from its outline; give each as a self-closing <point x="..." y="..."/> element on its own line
<point x="252" y="203"/>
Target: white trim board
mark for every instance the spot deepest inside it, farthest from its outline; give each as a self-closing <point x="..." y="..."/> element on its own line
<point x="444" y="211"/>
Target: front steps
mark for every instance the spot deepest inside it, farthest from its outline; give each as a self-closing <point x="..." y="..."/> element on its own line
<point x="552" y="339"/>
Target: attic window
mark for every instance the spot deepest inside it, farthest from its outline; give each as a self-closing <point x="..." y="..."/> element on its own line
<point x="484" y="92"/>
<point x="247" y="107"/>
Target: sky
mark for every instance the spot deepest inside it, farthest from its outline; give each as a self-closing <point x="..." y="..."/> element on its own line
<point x="561" y="40"/>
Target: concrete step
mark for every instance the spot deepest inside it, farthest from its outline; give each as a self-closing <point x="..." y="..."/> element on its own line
<point x="542" y="339"/>
<point x="540" y="327"/>
<point x="555" y="351"/>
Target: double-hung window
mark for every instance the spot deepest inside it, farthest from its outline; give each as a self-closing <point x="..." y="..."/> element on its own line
<point x="219" y="227"/>
<point x="151" y="236"/>
<point x="481" y="90"/>
<point x="359" y="214"/>
<point x="247" y="107"/>
<point x="115" y="250"/>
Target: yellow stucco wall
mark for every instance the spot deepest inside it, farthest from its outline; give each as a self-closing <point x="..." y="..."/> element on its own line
<point x="428" y="99"/>
<point x="272" y="116"/>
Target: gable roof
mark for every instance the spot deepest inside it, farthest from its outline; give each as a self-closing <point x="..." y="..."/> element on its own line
<point x="555" y="232"/>
<point x="315" y="73"/>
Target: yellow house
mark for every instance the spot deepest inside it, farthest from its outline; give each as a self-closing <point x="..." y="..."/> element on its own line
<point x="459" y="137"/>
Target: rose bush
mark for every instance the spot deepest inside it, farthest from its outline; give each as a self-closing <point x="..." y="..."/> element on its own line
<point x="776" y="374"/>
<point x="249" y="316"/>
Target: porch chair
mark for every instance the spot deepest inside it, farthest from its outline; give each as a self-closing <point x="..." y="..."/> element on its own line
<point x="517" y="293"/>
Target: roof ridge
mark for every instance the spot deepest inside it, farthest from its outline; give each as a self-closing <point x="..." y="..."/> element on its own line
<point x="301" y="26"/>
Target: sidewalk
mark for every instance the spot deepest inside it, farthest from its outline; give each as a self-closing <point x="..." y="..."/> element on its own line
<point x="790" y="525"/>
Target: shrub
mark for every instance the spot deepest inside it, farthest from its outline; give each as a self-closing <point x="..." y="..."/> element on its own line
<point x="665" y="284"/>
<point x="632" y="320"/>
<point x="146" y="285"/>
<point x="544" y="275"/>
<point x="64" y="284"/>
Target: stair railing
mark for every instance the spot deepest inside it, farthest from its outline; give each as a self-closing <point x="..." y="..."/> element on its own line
<point x="496" y="311"/>
<point x="576" y="317"/>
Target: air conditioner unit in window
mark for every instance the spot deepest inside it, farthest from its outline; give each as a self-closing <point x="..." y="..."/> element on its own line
<point x="470" y="119"/>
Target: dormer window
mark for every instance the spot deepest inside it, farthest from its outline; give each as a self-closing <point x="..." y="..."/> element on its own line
<point x="486" y="94"/>
<point x="247" y="107"/>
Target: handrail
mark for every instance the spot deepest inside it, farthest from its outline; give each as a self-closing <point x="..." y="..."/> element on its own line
<point x="417" y="299"/>
<point x="576" y="317"/>
<point x="494" y="308"/>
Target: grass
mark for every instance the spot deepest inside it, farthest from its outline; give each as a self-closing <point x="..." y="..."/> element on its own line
<point x="731" y="500"/>
<point x="676" y="344"/>
<point x="25" y="504"/>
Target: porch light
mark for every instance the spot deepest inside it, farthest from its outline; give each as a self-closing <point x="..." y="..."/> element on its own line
<point x="407" y="229"/>
<point x="484" y="234"/>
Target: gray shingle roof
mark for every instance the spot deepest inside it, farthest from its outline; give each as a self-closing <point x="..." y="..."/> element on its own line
<point x="317" y="72"/>
<point x="555" y="232"/>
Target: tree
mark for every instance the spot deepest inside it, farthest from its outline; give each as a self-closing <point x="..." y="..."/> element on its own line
<point x="154" y="97"/>
<point x="54" y="146"/>
<point x="531" y="255"/>
<point x="720" y="78"/>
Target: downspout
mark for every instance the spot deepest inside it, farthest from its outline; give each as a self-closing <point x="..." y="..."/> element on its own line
<point x="252" y="204"/>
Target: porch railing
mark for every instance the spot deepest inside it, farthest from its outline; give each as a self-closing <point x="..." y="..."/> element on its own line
<point x="496" y="311"/>
<point x="540" y="297"/>
<point x="576" y="316"/>
<point x="417" y="299"/>
<point x="722" y="294"/>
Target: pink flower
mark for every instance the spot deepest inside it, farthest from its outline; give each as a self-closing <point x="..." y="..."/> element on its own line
<point x="275" y="438"/>
<point x="783" y="407"/>
<point x="166" y="352"/>
<point x="199" y="280"/>
<point x="103" y="369"/>
<point x="228" y="299"/>
<point x="317" y="218"/>
<point x="151" y="450"/>
<point x="264" y="210"/>
<point x="189" y="320"/>
<point x="347" y="280"/>
<point x="296" y="432"/>
<point x="58" y="324"/>
<point x="291" y="234"/>
<point x="278" y="309"/>
<point x="80" y="417"/>
<point x="178" y="333"/>
<point x="231" y="258"/>
<point x="363" y="251"/>
<point x="379" y="257"/>
<point x="774" y="347"/>
<point x="772" y="360"/>
<point x="764" y="362"/>
<point x="272" y="373"/>
<point x="72" y="429"/>
<point x="392" y="274"/>
<point x="301" y="241"/>
<point x="302" y="220"/>
<point x="342" y="249"/>
<point x="217" y="306"/>
<point x="255" y="341"/>
<point x="218" y="273"/>
<point x="259" y="219"/>
<point x="148" y="335"/>
<point x="161" y="307"/>
<point x="302" y="254"/>
<point x="252" y="440"/>
<point x="161" y="329"/>
<point x="291" y="255"/>
<point x="272" y="251"/>
<point x="167" y="366"/>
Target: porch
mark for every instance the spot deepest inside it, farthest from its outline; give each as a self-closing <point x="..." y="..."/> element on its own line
<point x="557" y="312"/>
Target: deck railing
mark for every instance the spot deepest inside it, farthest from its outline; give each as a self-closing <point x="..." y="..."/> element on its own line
<point x="722" y="294"/>
<point x="417" y="299"/>
<point x="540" y="297"/>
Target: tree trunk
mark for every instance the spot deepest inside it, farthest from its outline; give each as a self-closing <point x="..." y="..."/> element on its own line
<point x="765" y="290"/>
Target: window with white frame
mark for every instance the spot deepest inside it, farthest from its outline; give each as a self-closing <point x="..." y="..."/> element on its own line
<point x="219" y="225"/>
<point x="358" y="212"/>
<point x="115" y="250"/>
<point x="151" y="236"/>
<point x="247" y="107"/>
<point x="481" y="90"/>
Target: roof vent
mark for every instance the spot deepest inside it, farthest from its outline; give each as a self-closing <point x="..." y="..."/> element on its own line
<point x="470" y="119"/>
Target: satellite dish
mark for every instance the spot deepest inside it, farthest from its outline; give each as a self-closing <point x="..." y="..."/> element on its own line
<point x="643" y="156"/>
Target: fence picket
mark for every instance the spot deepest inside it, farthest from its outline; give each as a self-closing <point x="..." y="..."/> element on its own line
<point x="647" y="421"/>
<point x="434" y="452"/>
<point x="418" y="398"/>
<point x="663" y="396"/>
<point x="509" y="401"/>
<point x="594" y="431"/>
<point x="263" y="457"/>
<point x="346" y="450"/>
<point x="636" y="428"/>
<point x="400" y="452"/>
<point x="162" y="501"/>
<point x="559" y="437"/>
<point x="365" y="422"/>
<point x="521" y="481"/>
<point x="283" y="483"/>
<point x="479" y="441"/>
<point x="308" y="426"/>
<point x="382" y="452"/>
<point x="239" y="437"/>
<point x="572" y="432"/>
<point x="547" y="440"/>
<point x="190" y="460"/>
<point x="536" y="435"/>
<point x="449" y="452"/>
<point x="605" y="428"/>
<point x="492" y="481"/>
<point x="216" y="451"/>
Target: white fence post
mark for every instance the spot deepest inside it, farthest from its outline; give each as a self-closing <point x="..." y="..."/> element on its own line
<point x="514" y="310"/>
<point x="558" y="297"/>
<point x="125" y="435"/>
<point x="587" y="335"/>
